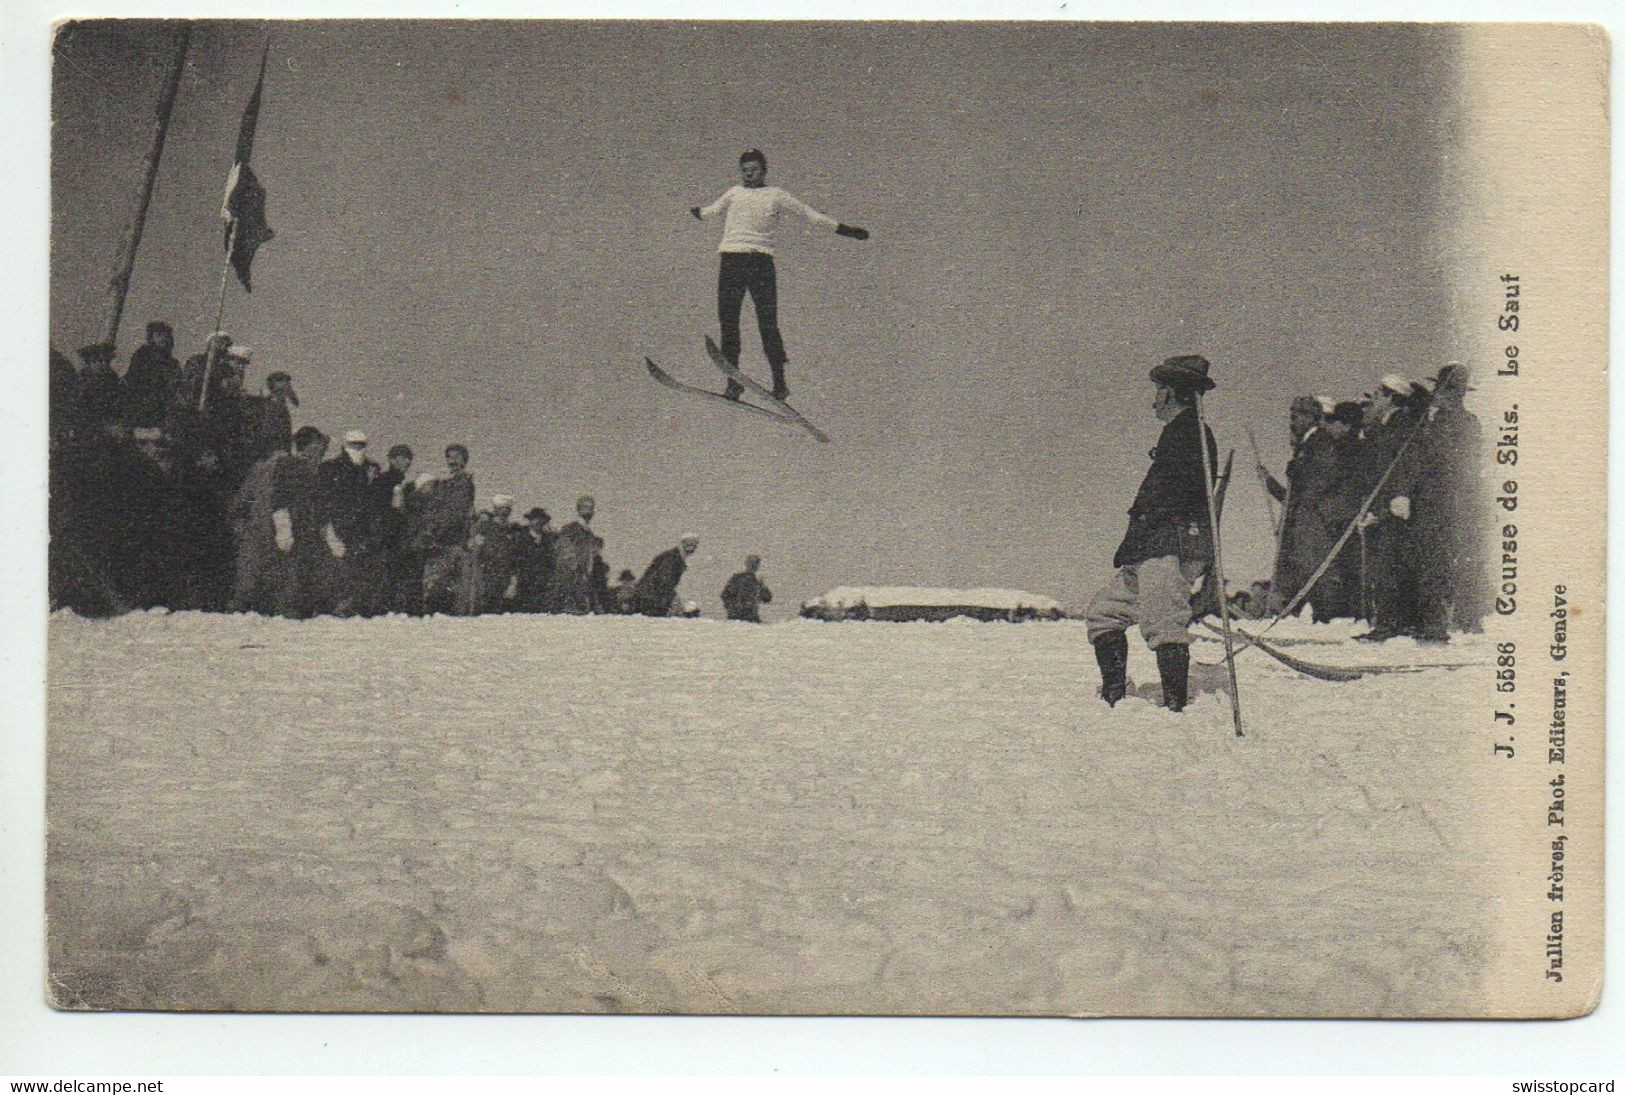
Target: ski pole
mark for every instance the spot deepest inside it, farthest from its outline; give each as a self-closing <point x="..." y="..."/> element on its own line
<point x="1218" y="561"/>
<point x="1269" y="499"/>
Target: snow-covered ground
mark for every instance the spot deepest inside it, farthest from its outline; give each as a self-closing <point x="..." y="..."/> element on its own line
<point x="626" y="814"/>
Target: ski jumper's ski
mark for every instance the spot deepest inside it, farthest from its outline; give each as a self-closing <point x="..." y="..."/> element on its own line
<point x="676" y="385"/>
<point x="732" y="373"/>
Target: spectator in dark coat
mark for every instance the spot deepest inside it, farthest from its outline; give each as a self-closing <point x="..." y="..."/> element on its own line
<point x="1168" y="546"/>
<point x="571" y="590"/>
<point x="1432" y="509"/>
<point x="151" y="378"/>
<point x="443" y="509"/>
<point x="1317" y="510"/>
<point x="495" y="545"/>
<point x="101" y="393"/>
<point x="286" y="544"/>
<point x="358" y="521"/>
<point x="657" y="589"/>
<point x="224" y="425"/>
<point x="203" y="365"/>
<point x="745" y="593"/>
<point x="391" y="499"/>
<point x="534" y="559"/>
<point x="1386" y="442"/>
<point x="1457" y="440"/>
<point x="268" y="418"/>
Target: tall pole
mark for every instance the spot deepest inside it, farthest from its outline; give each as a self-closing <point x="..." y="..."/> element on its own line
<point x="212" y="350"/>
<point x="130" y="243"/>
<point x="1218" y="561"/>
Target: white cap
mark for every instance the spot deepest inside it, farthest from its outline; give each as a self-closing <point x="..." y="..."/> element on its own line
<point x="355" y="437"/>
<point x="1396" y="384"/>
<point x="239" y="351"/>
<point x="498" y="501"/>
<point x="687" y="536"/>
<point x="1327" y="404"/>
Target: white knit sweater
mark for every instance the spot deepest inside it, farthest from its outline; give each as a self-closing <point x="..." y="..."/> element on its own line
<point x="752" y="216"/>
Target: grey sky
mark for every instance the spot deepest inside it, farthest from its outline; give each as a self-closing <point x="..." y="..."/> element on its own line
<point x="482" y="228"/>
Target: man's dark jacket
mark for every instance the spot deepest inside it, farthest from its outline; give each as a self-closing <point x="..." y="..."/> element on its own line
<point x="149" y="385"/>
<point x="657" y="587"/>
<point x="1169" y="515"/>
<point x="743" y="596"/>
<point x="353" y="502"/>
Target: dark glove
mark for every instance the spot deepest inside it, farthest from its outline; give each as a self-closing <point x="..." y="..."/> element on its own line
<point x="852" y="230"/>
<point x="695" y="211"/>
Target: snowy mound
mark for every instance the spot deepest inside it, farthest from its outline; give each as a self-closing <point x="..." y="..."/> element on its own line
<point x="926" y="603"/>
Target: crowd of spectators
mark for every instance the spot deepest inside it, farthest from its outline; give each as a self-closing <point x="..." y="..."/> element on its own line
<point x="1403" y="468"/>
<point x="171" y="486"/>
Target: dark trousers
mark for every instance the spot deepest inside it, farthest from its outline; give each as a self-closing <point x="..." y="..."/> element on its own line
<point x="1412" y="580"/>
<point x="750" y="272"/>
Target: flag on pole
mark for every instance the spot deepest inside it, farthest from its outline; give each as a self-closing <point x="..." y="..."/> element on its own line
<point x="244" y="207"/>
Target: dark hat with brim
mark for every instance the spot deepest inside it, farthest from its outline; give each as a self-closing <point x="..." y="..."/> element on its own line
<point x="538" y="514"/>
<point x="1187" y="371"/>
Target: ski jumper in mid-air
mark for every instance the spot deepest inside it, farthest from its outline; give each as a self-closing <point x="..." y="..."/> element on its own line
<point x="751" y="212"/>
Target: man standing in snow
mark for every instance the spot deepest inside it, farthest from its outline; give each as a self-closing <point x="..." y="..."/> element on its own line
<point x="656" y="591"/>
<point x="1168" y="545"/>
<point x="268" y="418"/>
<point x="149" y="382"/>
<point x="443" y="508"/>
<point x="392" y="500"/>
<point x="496" y="547"/>
<point x="1390" y="422"/>
<point x="287" y="550"/>
<point x="752" y="209"/>
<point x="1316" y="513"/>
<point x="745" y="593"/>
<point x="353" y="509"/>
<point x="574" y="550"/>
<point x="534" y="561"/>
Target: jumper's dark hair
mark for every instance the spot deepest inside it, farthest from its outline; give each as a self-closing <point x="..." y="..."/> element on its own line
<point x="400" y="450"/>
<point x="458" y="448"/>
<point x="304" y="435"/>
<point x="158" y="325"/>
<point x="753" y="154"/>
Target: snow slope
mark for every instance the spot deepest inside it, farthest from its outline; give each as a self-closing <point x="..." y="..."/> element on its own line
<point x="626" y="814"/>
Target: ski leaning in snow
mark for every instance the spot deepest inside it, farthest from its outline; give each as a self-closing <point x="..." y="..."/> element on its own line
<point x="1334" y="672"/>
<point x="676" y="385"/>
<point x="787" y="412"/>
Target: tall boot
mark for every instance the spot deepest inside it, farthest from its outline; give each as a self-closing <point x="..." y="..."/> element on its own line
<point x="1174" y="665"/>
<point x="1111" y="651"/>
<point x="781" y="390"/>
